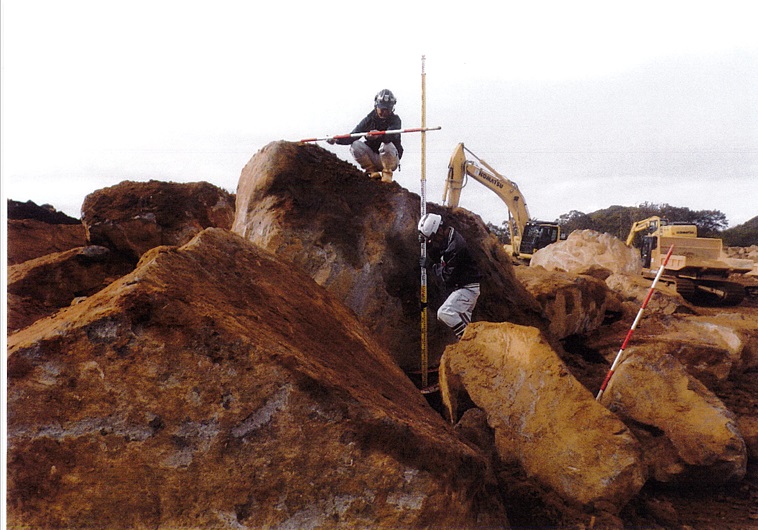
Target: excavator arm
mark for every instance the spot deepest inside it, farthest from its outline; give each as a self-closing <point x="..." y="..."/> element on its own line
<point x="651" y="224"/>
<point x="461" y="167"/>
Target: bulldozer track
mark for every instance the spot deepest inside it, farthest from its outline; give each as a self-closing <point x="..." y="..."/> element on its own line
<point x="711" y="292"/>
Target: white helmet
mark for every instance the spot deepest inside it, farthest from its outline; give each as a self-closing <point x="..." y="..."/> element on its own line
<point x="429" y="224"/>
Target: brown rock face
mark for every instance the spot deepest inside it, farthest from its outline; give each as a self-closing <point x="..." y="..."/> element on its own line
<point x="573" y="304"/>
<point x="634" y="289"/>
<point x="215" y="386"/>
<point x="358" y="238"/>
<point x="29" y="239"/>
<point x="34" y="231"/>
<point x="39" y="287"/>
<point x="543" y="417"/>
<point x="133" y="217"/>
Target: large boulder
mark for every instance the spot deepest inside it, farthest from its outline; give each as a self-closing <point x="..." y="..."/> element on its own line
<point x="543" y="417"/>
<point x="216" y="386"/>
<point x="35" y="231"/>
<point x="687" y="432"/>
<point x="713" y="348"/>
<point x="358" y="238"/>
<point x="585" y="248"/>
<point x="634" y="289"/>
<point x="574" y="304"/>
<point x="29" y="239"/>
<point x="133" y="217"/>
<point x="39" y="287"/>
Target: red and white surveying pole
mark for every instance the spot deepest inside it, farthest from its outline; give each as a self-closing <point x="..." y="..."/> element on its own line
<point x="634" y="324"/>
<point x="421" y="129"/>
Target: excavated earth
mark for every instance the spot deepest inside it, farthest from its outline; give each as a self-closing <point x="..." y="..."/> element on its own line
<point x="170" y="367"/>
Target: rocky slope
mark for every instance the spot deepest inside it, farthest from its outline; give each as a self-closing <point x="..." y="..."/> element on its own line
<point x="196" y="392"/>
<point x="193" y="364"/>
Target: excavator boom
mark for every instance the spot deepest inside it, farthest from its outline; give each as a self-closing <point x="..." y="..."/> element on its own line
<point x="519" y="225"/>
<point x="651" y="223"/>
<point x="508" y="191"/>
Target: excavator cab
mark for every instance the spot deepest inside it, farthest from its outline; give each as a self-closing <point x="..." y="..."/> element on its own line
<point x="537" y="235"/>
<point x="649" y="244"/>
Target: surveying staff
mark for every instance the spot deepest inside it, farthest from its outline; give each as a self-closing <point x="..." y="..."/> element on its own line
<point x="379" y="156"/>
<point x="456" y="269"/>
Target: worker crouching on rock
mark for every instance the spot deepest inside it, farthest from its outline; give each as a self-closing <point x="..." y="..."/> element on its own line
<point x="456" y="269"/>
<point x="378" y="155"/>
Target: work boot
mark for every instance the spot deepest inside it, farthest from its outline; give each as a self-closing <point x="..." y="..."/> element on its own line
<point x="386" y="176"/>
<point x="374" y="174"/>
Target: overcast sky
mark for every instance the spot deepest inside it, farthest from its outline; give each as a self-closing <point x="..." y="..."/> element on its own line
<point x="584" y="105"/>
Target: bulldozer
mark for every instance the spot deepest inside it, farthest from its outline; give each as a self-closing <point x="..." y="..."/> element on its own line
<point x="697" y="267"/>
<point x="527" y="235"/>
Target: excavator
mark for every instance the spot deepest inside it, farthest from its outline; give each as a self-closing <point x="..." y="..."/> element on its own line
<point x="527" y="235"/>
<point x="697" y="267"/>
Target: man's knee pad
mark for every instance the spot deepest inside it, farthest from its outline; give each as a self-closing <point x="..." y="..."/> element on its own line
<point x="448" y="317"/>
<point x="367" y="158"/>
<point x="389" y="157"/>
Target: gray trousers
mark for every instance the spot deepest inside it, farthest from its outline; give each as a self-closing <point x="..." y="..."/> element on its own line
<point x="456" y="312"/>
<point x="386" y="160"/>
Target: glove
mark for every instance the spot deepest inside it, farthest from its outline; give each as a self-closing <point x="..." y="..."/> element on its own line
<point x="424" y="262"/>
<point x="331" y="141"/>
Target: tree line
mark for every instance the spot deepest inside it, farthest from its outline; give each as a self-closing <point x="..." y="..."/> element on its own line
<point x="618" y="220"/>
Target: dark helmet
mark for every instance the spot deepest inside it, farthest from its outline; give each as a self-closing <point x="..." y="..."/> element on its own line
<point x="385" y="99"/>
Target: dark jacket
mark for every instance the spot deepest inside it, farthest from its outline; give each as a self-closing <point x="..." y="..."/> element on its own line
<point x="372" y="122"/>
<point x="456" y="268"/>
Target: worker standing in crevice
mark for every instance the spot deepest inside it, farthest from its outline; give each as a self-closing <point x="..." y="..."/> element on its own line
<point x="456" y="269"/>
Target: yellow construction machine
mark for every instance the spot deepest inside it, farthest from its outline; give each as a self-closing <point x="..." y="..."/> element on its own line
<point x="527" y="235"/>
<point x="698" y="266"/>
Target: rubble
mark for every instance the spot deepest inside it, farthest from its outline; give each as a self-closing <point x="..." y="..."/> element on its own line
<point x="218" y="386"/>
<point x="265" y="380"/>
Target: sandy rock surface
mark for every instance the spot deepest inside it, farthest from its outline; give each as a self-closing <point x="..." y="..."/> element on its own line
<point x="686" y="430"/>
<point x="39" y="287"/>
<point x="542" y="416"/>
